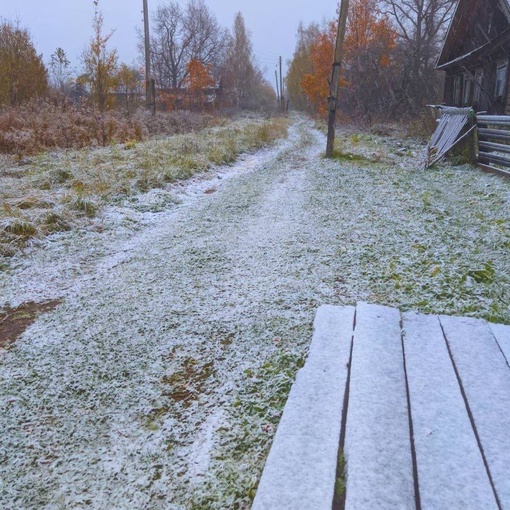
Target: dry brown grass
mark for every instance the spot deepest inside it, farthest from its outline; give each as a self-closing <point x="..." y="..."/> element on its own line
<point x="41" y="125"/>
<point x="55" y="191"/>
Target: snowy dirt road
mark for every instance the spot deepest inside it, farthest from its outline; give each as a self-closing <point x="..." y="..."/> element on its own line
<point x="114" y="400"/>
<point x="158" y="382"/>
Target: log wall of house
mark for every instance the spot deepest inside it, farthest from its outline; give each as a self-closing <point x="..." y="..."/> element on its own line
<point x="476" y="57"/>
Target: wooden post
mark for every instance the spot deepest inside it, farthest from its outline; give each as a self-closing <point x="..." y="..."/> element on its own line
<point x="153" y="96"/>
<point x="149" y="97"/>
<point x="277" y="88"/>
<point x="335" y="77"/>
<point x="282" y="99"/>
<point x="473" y="141"/>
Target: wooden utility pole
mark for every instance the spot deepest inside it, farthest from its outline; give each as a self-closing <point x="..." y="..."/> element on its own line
<point x="335" y="76"/>
<point x="282" y="99"/>
<point x="277" y="87"/>
<point x="149" y="89"/>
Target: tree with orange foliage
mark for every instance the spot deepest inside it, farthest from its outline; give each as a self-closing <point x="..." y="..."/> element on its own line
<point x="368" y="65"/>
<point x="315" y="84"/>
<point x="198" y="80"/>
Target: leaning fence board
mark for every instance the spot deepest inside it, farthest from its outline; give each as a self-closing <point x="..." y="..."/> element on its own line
<point x="301" y="467"/>
<point x="451" y="472"/>
<point x="449" y="128"/>
<point x="377" y="441"/>
<point x="485" y="379"/>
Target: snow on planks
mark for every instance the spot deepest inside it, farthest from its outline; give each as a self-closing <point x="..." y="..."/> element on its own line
<point x="427" y="423"/>
<point x="502" y="334"/>
<point x="301" y="467"/>
<point x="485" y="377"/>
<point x="377" y="441"/>
<point x="451" y="472"/>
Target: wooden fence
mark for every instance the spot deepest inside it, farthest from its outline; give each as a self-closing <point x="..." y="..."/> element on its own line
<point x="494" y="142"/>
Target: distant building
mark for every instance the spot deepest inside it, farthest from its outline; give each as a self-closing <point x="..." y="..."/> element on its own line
<point x="475" y="56"/>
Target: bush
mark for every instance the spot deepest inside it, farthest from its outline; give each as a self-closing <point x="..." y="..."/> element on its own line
<point x="41" y="125"/>
<point x="423" y="125"/>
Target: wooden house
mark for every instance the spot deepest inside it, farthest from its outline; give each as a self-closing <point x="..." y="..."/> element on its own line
<point x="475" y="56"/>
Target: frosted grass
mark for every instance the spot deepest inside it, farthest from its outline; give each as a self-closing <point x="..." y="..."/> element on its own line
<point x="159" y="381"/>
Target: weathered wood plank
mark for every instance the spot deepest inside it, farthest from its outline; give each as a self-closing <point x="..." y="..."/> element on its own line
<point x="502" y="334"/>
<point x="451" y="472"/>
<point x="495" y="134"/>
<point x="377" y="442"/>
<point x="494" y="170"/>
<point x="500" y="120"/>
<point x="491" y="146"/>
<point x="301" y="467"/>
<point x="487" y="157"/>
<point x="485" y="379"/>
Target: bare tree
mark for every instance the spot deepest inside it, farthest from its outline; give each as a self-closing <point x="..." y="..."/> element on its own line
<point x="60" y="71"/>
<point x="207" y="40"/>
<point x="420" y="26"/>
<point x="181" y="35"/>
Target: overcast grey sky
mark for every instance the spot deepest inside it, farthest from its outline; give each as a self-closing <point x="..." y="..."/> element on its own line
<point x="67" y="23"/>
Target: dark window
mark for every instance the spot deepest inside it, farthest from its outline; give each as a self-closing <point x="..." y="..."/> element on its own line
<point x="466" y="89"/>
<point x="501" y="77"/>
<point x="457" y="86"/>
<point x="477" y="92"/>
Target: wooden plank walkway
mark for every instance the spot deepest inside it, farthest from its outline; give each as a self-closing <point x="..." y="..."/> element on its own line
<point x="418" y="404"/>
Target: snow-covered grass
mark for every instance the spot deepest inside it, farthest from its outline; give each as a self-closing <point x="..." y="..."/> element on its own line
<point x="59" y="190"/>
<point x="433" y="240"/>
<point x="160" y="379"/>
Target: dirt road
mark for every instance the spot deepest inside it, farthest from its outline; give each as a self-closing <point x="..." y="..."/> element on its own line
<point x="123" y="396"/>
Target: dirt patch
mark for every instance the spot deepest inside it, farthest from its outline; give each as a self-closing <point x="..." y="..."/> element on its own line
<point x="188" y="383"/>
<point x="14" y="321"/>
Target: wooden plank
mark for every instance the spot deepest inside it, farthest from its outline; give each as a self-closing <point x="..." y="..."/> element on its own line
<point x="493" y="158"/>
<point x="301" y="467"/>
<point x="496" y="134"/>
<point x="492" y="146"/>
<point x="501" y="120"/>
<point x="377" y="442"/>
<point x="485" y="380"/>
<point x="494" y="170"/>
<point x="451" y="471"/>
<point x="502" y="334"/>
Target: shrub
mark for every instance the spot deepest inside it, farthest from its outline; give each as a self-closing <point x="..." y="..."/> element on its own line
<point x="41" y="125"/>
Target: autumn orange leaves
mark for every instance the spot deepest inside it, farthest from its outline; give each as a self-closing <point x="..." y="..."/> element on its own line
<point x="368" y="50"/>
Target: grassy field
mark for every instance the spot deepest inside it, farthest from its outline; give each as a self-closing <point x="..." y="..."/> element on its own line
<point x="56" y="191"/>
<point x="181" y="332"/>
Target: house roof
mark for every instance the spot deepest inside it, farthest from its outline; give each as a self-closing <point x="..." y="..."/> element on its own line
<point x="461" y="23"/>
